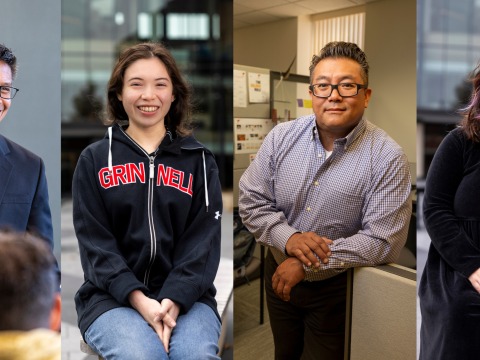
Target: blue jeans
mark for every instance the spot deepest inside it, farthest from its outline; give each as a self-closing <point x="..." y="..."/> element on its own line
<point x="122" y="333"/>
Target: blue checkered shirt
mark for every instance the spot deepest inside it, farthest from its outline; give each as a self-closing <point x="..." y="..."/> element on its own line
<point x="359" y="196"/>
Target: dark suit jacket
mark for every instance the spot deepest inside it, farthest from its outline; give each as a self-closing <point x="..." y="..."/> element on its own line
<point x="23" y="191"/>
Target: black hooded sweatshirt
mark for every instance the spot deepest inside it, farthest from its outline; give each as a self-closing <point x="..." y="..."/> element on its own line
<point x="146" y="221"/>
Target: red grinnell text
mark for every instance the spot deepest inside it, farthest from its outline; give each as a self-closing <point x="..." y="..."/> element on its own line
<point x="133" y="173"/>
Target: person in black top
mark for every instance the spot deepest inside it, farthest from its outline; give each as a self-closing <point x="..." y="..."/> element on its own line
<point x="450" y="286"/>
<point x="147" y="210"/>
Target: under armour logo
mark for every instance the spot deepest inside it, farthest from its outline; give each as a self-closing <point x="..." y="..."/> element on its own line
<point x="217" y="215"/>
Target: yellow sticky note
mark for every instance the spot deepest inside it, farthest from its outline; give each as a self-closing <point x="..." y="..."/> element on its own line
<point x="307" y="103"/>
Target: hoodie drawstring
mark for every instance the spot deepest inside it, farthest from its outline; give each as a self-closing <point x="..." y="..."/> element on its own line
<point x="205" y="180"/>
<point x="110" y="167"/>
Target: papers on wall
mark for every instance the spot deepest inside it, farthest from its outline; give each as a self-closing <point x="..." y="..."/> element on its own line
<point x="258" y="88"/>
<point x="250" y="87"/>
<point x="239" y="88"/>
<point x="249" y="134"/>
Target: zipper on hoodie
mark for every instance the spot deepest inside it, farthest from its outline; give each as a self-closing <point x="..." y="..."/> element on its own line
<point x="152" y="168"/>
<point x="151" y="224"/>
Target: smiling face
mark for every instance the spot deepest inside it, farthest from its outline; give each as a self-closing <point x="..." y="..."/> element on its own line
<point x="5" y="80"/>
<point x="147" y="93"/>
<point x="337" y="116"/>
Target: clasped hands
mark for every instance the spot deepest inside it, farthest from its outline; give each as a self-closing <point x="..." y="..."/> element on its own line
<point x="161" y="316"/>
<point x="304" y="249"/>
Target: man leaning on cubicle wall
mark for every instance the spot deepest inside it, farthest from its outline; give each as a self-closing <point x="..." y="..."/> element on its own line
<point x="326" y="192"/>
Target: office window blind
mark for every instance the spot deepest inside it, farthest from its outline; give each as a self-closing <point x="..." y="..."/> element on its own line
<point x="349" y="28"/>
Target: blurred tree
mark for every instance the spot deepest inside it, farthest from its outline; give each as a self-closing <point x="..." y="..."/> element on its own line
<point x="88" y="106"/>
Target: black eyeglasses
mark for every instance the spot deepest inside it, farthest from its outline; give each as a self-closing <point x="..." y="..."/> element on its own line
<point x="344" y="89"/>
<point x="8" y="92"/>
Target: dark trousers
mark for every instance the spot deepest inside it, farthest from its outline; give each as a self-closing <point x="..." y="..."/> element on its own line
<point x="311" y="326"/>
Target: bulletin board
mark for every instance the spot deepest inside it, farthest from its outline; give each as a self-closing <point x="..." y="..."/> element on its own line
<point x="249" y="134"/>
<point x="262" y="99"/>
<point x="251" y="116"/>
<point x="248" y="80"/>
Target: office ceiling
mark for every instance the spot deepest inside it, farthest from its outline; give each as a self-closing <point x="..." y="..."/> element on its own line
<point x="255" y="12"/>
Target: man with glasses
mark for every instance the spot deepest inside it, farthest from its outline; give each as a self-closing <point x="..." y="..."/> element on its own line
<point x="326" y="192"/>
<point x="23" y="187"/>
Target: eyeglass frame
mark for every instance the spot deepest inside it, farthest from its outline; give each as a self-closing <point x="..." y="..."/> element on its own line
<point x="335" y="86"/>
<point x="15" y="90"/>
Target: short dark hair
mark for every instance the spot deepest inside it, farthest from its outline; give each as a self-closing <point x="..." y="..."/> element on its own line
<point x="470" y="123"/>
<point x="28" y="281"/>
<point x="342" y="49"/>
<point x="178" y="117"/>
<point x="6" y="55"/>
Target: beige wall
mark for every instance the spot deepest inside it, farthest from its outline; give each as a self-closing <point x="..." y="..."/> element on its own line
<point x="304" y="45"/>
<point x="390" y="45"/>
<point x="271" y="46"/>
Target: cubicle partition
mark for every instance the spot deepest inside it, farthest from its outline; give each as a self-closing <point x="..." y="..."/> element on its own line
<point x="381" y="313"/>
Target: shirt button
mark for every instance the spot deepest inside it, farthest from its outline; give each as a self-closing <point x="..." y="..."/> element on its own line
<point x="316" y="183"/>
<point x="319" y="155"/>
<point x="342" y="263"/>
<point x="309" y="208"/>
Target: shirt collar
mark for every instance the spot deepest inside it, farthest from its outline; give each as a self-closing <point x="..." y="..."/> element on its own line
<point x="356" y="132"/>
<point x="351" y="136"/>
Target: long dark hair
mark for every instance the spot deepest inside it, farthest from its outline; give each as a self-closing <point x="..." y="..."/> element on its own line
<point x="471" y="114"/>
<point x="178" y="117"/>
